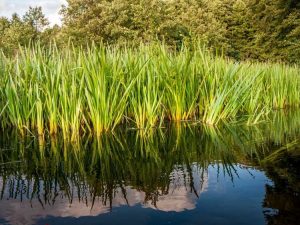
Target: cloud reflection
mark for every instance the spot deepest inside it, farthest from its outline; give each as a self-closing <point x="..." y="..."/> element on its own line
<point x="179" y="198"/>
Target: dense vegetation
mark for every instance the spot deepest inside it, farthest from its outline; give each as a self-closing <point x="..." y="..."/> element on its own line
<point x="143" y="63"/>
<point x="98" y="88"/>
<point x="267" y="30"/>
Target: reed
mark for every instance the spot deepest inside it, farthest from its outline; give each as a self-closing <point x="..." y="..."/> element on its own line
<point x="95" y="89"/>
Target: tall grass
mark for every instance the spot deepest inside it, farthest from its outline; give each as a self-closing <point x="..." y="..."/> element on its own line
<point x="98" y="88"/>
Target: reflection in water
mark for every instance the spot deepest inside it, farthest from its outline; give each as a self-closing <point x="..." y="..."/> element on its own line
<point x="74" y="201"/>
<point x="284" y="194"/>
<point x="202" y="174"/>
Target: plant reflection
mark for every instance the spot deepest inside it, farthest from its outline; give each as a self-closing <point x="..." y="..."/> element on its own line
<point x="129" y="168"/>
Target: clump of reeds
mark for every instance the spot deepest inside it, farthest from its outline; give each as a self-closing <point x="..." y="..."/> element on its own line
<point x="95" y="89"/>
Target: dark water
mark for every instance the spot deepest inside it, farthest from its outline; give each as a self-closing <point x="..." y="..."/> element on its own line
<point x="184" y="174"/>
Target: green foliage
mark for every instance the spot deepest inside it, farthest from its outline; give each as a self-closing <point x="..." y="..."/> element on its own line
<point x="121" y="21"/>
<point x="263" y="30"/>
<point x="17" y="31"/>
<point x="267" y="30"/>
<point x="98" y="88"/>
<point x="35" y="18"/>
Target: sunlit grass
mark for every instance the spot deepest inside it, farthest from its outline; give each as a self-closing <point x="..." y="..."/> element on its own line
<point x="95" y="89"/>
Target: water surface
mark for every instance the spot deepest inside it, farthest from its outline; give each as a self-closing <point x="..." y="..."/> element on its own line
<point x="184" y="174"/>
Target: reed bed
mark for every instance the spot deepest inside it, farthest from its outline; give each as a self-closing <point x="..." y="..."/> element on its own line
<point x="96" y="89"/>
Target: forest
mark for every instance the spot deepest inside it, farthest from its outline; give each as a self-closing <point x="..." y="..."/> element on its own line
<point x="263" y="30"/>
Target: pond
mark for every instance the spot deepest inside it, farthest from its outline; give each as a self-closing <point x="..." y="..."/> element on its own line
<point x="183" y="174"/>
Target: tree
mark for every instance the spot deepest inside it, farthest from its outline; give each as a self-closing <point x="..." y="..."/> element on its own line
<point x="50" y="35"/>
<point x="277" y="25"/>
<point x="244" y="29"/>
<point x="115" y="21"/>
<point x="21" y="32"/>
<point x="35" y="18"/>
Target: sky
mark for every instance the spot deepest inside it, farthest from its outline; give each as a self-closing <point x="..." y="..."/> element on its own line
<point x="50" y="8"/>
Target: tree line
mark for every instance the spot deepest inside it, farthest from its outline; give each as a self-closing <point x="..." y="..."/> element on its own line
<point x="264" y="30"/>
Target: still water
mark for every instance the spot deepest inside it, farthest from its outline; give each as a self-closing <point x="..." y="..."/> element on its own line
<point x="183" y="174"/>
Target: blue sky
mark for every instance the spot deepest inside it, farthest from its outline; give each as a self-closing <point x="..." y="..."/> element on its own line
<point x="50" y="8"/>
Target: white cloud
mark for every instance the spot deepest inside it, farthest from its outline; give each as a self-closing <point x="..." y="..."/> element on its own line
<point x="50" y="8"/>
<point x="1" y="5"/>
